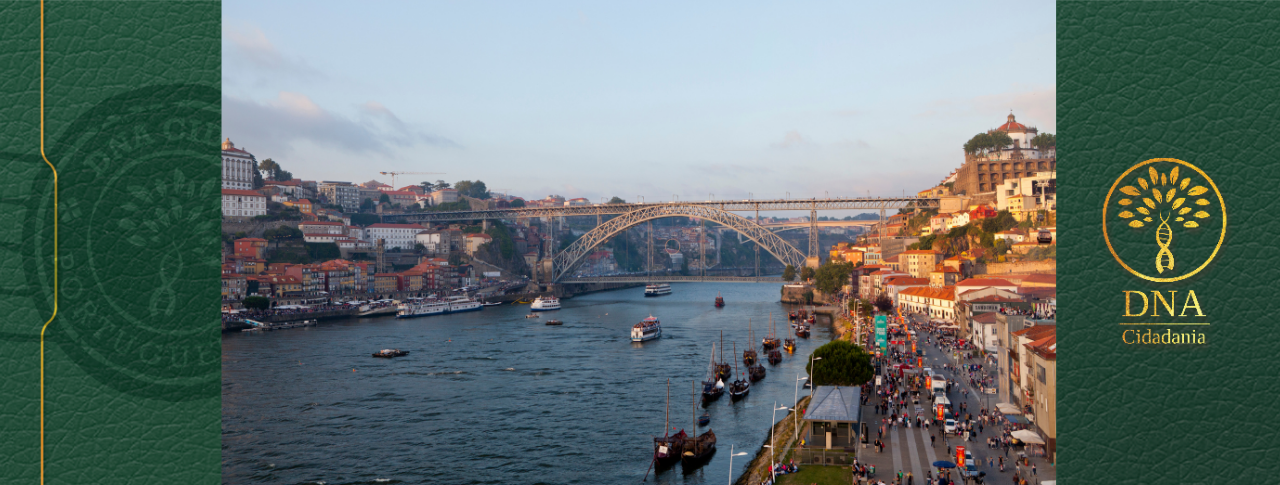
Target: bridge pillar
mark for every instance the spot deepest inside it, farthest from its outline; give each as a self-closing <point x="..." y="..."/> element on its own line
<point x="813" y="236"/>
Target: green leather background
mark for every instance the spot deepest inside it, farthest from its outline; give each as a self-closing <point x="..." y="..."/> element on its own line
<point x="1201" y="83"/>
<point x="132" y="360"/>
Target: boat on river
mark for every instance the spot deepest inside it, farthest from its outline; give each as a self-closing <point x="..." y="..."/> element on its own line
<point x="389" y="353"/>
<point x="554" y="322"/>
<point x="723" y="369"/>
<point x="658" y="289"/>
<point x="712" y="387"/>
<point x="719" y="300"/>
<point x="749" y="357"/>
<point x="666" y="450"/>
<point x="741" y="386"/>
<point x="790" y="345"/>
<point x="697" y="450"/>
<point x="545" y="303"/>
<point x="647" y="329"/>
<point x="771" y="342"/>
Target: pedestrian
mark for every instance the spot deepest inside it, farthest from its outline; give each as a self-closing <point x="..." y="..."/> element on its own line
<point x="933" y="438"/>
<point x="1033" y="469"/>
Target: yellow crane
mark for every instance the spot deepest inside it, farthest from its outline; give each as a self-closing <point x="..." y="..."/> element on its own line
<point x="393" y="176"/>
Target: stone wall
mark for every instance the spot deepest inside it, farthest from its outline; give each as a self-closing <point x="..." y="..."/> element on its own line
<point x="1044" y="267"/>
<point x="254" y="228"/>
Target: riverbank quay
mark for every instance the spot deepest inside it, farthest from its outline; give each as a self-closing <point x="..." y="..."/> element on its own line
<point x="782" y="435"/>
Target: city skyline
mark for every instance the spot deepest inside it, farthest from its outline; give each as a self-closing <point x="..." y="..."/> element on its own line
<point x="596" y="101"/>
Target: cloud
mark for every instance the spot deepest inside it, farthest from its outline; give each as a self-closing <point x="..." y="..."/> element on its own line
<point x="273" y="127"/>
<point x="251" y="45"/>
<point x="792" y="139"/>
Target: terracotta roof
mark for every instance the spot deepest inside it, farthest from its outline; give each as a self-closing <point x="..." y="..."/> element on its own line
<point x="1036" y="332"/>
<point x="984" y="282"/>
<point x="1046" y="347"/>
<point x="988" y="318"/>
<point x="249" y="193"/>
<point x="921" y="251"/>
<point x="943" y="293"/>
<point x="994" y="299"/>
<point x="892" y="259"/>
<point x="1041" y="278"/>
<point x="886" y="272"/>
<point x="906" y="280"/>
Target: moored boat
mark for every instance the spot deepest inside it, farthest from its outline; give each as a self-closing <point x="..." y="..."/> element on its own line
<point x="554" y="322"/>
<point x="756" y="372"/>
<point x="647" y="329"/>
<point x="422" y="308"/>
<point x="775" y="357"/>
<point x="719" y="300"/>
<point x="741" y="386"/>
<point x="789" y="345"/>
<point x="749" y="357"/>
<point x="697" y="450"/>
<point x="771" y="342"/>
<point x="803" y="331"/>
<point x="712" y="387"/>
<point x="723" y="370"/>
<point x="666" y="450"/>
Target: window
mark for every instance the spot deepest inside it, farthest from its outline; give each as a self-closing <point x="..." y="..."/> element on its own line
<point x="1040" y="373"/>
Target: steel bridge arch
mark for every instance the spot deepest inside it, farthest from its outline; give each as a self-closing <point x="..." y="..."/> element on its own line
<point x="567" y="260"/>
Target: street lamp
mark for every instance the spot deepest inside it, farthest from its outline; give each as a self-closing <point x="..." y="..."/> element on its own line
<point x="812" y="385"/>
<point x="773" y="439"/>
<point x="731" y="455"/>
<point x="796" y="421"/>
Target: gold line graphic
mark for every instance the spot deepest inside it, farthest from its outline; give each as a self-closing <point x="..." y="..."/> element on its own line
<point x="55" y="242"/>
<point x="1163" y="324"/>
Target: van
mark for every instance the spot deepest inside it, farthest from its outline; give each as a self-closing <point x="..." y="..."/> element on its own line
<point x="941" y="399"/>
<point x="939" y="386"/>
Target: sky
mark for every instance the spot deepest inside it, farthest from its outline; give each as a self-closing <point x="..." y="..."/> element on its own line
<point x="652" y="100"/>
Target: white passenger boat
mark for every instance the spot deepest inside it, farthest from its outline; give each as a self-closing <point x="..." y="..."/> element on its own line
<point x="657" y="289"/>
<point x="545" y="303"/>
<point x="647" y="329"/>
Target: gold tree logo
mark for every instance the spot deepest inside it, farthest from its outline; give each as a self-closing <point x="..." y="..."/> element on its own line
<point x="1174" y="198"/>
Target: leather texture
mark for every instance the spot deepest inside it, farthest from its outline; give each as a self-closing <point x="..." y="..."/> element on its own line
<point x="1198" y="82"/>
<point x="132" y="123"/>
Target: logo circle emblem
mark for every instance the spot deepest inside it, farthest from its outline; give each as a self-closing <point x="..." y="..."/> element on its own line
<point x="1164" y="220"/>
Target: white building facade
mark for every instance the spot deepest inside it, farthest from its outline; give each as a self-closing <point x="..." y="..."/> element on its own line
<point x="243" y="203"/>
<point x="237" y="167"/>
<point x="396" y="236"/>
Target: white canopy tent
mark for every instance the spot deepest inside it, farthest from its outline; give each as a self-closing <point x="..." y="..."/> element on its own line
<point x="1008" y="408"/>
<point x="1028" y="436"/>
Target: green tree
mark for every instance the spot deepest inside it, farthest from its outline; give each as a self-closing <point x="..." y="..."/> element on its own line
<point x="455" y="259"/>
<point x="441" y="185"/>
<point x="806" y="273"/>
<point x="1044" y="140"/>
<point x="883" y="303"/>
<point x="427" y="187"/>
<point x="832" y="277"/>
<point x="789" y="273"/>
<point x="617" y="200"/>
<point x="367" y="205"/>
<point x="842" y="363"/>
<point x="517" y="203"/>
<point x="419" y="247"/>
<point x="258" y="183"/>
<point x="807" y="296"/>
<point x="256" y="302"/>
<point x="501" y="236"/>
<point x="474" y="189"/>
<point x="363" y="220"/>
<point x="1000" y="139"/>
<point x="384" y="199"/>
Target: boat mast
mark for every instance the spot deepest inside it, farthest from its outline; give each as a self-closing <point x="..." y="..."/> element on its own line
<point x="666" y="419"/>
<point x="722" y="346"/>
<point x="735" y="362"/>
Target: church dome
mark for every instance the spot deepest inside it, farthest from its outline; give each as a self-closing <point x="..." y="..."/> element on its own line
<point x="1012" y="126"/>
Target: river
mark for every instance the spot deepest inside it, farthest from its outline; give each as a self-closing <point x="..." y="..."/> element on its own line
<point x="491" y="397"/>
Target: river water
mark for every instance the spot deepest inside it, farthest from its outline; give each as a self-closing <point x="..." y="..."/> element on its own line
<point x="491" y="397"/>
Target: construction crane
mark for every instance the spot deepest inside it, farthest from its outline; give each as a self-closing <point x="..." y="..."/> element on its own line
<point x="393" y="176"/>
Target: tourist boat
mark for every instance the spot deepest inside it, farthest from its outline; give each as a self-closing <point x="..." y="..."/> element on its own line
<point x="749" y="357"/>
<point x="741" y="386"/>
<point x="521" y="302"/>
<point x="389" y="353"/>
<point x="545" y="303"/>
<point x="713" y="387"/>
<point x="771" y="342"/>
<point x="657" y="289"/>
<point x="666" y="450"/>
<point x="775" y="357"/>
<point x="463" y="304"/>
<point x="790" y="345"/>
<point x="554" y="322"/>
<point x="647" y="329"/>
<point x="723" y="369"/>
<point x="422" y="309"/>
<point x="490" y="304"/>
<point x="719" y="300"/>
<point x="802" y="331"/>
<point x="533" y="315"/>
<point x="697" y="450"/>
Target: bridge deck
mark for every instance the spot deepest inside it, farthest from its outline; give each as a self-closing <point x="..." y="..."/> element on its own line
<point x="671" y="279"/>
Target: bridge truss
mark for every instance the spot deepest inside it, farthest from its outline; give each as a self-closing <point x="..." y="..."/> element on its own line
<point x="567" y="260"/>
<point x="860" y="203"/>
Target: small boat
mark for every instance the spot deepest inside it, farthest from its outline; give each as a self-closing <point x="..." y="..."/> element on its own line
<point x="713" y="387"/>
<point x="389" y="353"/>
<point x="792" y="316"/>
<point x="657" y="289"/>
<point x="554" y="322"/>
<point x="741" y="386"/>
<point x="802" y="331"/>
<point x="771" y="342"/>
<point x="490" y="304"/>
<point x="719" y="301"/>
<point x="533" y="315"/>
<point x="723" y="370"/>
<point x="705" y="419"/>
<point x="545" y="303"/>
<point x="647" y="329"/>
<point x="521" y="302"/>
<point x="666" y="450"/>
<point x="749" y="357"/>
<point x="789" y="345"/>
<point x="775" y="357"/>
<point x="697" y="450"/>
<point x="756" y="372"/>
<point x="813" y="318"/>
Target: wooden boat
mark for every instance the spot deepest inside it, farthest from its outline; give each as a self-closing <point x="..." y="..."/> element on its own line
<point x="741" y="386"/>
<point x="389" y="353"/>
<point x="749" y="357"/>
<point x="554" y="322"/>
<point x="705" y="419"/>
<point x="666" y="450"/>
<point x="723" y="370"/>
<point x="775" y="357"/>
<point x="719" y="301"/>
<point x="697" y="450"/>
<point x="792" y="316"/>
<point x="713" y="387"/>
<point x="802" y="331"/>
<point x="771" y="342"/>
<point x="756" y="372"/>
<point x="789" y="345"/>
